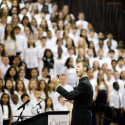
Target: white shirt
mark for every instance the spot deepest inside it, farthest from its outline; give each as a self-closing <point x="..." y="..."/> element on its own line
<point x="6" y="112"/>
<point x="59" y="66"/>
<point x="31" y="55"/>
<point x="4" y="69"/>
<point x="74" y="37"/>
<point x="121" y="85"/>
<point x="40" y="6"/>
<point x="51" y="43"/>
<point x="19" y="97"/>
<point x="26" y="82"/>
<point x="67" y="87"/>
<point x="123" y="98"/>
<point x="95" y="74"/>
<point x="1" y="116"/>
<point x="120" y="69"/>
<point x="9" y="44"/>
<point x="94" y="84"/>
<point x="60" y="107"/>
<point x="55" y="51"/>
<point x="21" y="42"/>
<point x="34" y="107"/>
<point x="71" y="76"/>
<point x="54" y="96"/>
<point x="110" y="84"/>
<point x="83" y="22"/>
<point x="114" y="43"/>
<point x="40" y="77"/>
<point x="114" y="97"/>
<point x="74" y="57"/>
<point x="2" y="29"/>
<point x="27" y="111"/>
<point x="14" y="112"/>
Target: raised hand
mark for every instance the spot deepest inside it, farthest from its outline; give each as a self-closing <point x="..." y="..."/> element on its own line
<point x="55" y="81"/>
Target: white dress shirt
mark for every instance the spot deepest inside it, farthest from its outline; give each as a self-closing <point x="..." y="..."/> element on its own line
<point x="15" y="112"/>
<point x="59" y="66"/>
<point x="60" y="107"/>
<point x="94" y="84"/>
<point x="21" y="42"/>
<point x="31" y="55"/>
<point x="67" y="87"/>
<point x="120" y="69"/>
<point x="6" y="112"/>
<point x="115" y="99"/>
<point x="114" y="43"/>
<point x="110" y="84"/>
<point x="54" y="96"/>
<point x="33" y="103"/>
<point x="123" y="98"/>
<point x="84" y="23"/>
<point x="1" y="116"/>
<point x="71" y="76"/>
<point x="4" y="69"/>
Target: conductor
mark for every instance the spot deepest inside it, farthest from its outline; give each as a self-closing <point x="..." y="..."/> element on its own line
<point x="82" y="96"/>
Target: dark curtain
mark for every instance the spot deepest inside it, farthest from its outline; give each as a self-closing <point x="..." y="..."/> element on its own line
<point x="113" y="19"/>
<point x="105" y="16"/>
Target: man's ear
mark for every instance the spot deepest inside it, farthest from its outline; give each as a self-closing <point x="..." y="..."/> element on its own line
<point x="85" y="68"/>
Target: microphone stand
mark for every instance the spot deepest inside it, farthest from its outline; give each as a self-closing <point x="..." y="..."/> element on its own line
<point x="40" y="107"/>
<point x="20" y="116"/>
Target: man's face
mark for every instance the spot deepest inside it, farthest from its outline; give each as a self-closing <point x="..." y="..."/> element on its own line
<point x="79" y="69"/>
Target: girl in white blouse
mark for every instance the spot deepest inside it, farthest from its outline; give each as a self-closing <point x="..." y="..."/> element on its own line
<point x="42" y="85"/>
<point x="21" y="75"/>
<point x="32" y="88"/>
<point x="59" y="63"/>
<point x="70" y="72"/>
<point x="49" y="104"/>
<point x="9" y="41"/>
<point x="6" y="109"/>
<point x="9" y="88"/>
<point x="20" y="89"/>
<point x="31" y="55"/>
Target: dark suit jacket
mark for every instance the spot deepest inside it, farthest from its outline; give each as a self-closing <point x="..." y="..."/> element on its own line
<point x="82" y="96"/>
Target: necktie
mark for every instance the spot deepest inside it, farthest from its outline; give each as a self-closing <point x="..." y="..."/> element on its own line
<point x="119" y="100"/>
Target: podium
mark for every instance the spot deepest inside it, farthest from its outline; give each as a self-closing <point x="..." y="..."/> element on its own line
<point x="48" y="118"/>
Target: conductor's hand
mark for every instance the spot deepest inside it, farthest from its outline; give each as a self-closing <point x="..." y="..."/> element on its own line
<point x="55" y="81"/>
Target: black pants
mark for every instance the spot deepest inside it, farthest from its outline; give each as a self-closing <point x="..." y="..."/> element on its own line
<point x="5" y="122"/>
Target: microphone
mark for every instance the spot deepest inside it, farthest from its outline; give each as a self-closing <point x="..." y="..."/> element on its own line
<point x="39" y="103"/>
<point x="23" y="105"/>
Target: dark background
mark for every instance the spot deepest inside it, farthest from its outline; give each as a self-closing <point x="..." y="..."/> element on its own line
<point x="105" y="15"/>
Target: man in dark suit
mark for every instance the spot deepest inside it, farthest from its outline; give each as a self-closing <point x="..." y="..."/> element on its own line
<point x="82" y="96"/>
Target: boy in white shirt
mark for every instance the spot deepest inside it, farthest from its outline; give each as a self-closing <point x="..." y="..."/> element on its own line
<point x="61" y="105"/>
<point x="81" y="21"/>
<point x="115" y="102"/>
<point x="14" y="106"/>
<point x="63" y="80"/>
<point x="27" y="113"/>
<point x="38" y="105"/>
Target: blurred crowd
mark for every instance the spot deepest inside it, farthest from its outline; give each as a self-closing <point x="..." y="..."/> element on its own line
<point x="38" y="40"/>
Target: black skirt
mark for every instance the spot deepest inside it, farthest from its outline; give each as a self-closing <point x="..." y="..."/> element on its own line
<point x="101" y="100"/>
